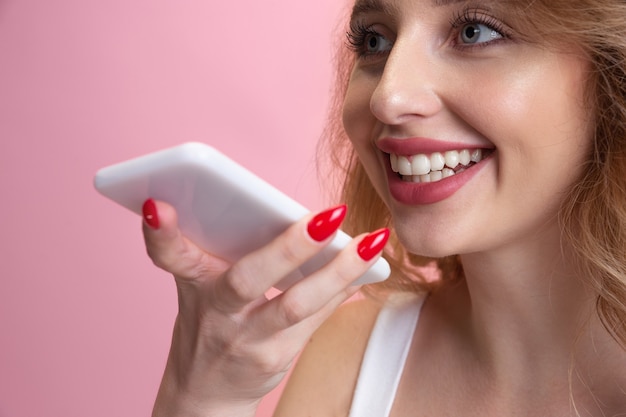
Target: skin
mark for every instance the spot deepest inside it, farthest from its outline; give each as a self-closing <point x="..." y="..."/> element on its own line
<point x="505" y="341"/>
<point x="517" y="337"/>
<point x="427" y="88"/>
<point x="232" y="345"/>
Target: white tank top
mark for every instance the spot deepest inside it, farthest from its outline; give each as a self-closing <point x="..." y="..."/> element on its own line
<point x="385" y="356"/>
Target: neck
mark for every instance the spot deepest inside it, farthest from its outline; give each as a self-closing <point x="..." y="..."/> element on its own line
<point x="532" y="293"/>
<point x="532" y="321"/>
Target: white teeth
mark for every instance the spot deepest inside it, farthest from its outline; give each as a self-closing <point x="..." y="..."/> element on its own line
<point x="404" y="166"/>
<point x="394" y="162"/>
<point x="437" y="161"/>
<point x="447" y="172"/>
<point x="464" y="157"/>
<point x="477" y="155"/>
<point x="436" y="176"/>
<point x="452" y="159"/>
<point x="420" y="165"/>
<point x="434" y="167"/>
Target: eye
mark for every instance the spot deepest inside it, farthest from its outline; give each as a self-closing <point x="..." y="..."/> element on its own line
<point x="365" y="41"/>
<point x="477" y="33"/>
<point x="374" y="43"/>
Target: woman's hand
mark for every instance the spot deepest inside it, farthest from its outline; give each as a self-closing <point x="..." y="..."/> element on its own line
<point x="231" y="345"/>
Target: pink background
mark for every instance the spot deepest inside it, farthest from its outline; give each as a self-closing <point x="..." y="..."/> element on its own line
<point x="85" y="319"/>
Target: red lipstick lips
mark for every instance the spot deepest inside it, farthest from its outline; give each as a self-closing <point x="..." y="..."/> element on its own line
<point x="411" y="189"/>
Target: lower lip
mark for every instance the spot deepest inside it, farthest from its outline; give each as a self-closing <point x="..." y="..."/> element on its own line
<point x="411" y="193"/>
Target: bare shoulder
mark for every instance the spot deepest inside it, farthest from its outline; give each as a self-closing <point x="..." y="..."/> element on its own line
<point x="324" y="378"/>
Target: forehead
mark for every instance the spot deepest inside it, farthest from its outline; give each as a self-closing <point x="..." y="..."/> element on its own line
<point x="391" y="6"/>
<point x="361" y="6"/>
<point x="519" y="11"/>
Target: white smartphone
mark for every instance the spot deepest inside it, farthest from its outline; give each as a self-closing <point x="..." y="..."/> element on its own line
<point x="221" y="206"/>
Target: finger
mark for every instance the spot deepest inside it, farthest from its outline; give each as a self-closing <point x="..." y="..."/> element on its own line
<point x="170" y="250"/>
<point x="303" y="329"/>
<point x="273" y="352"/>
<point x="254" y="274"/>
<point x="324" y="290"/>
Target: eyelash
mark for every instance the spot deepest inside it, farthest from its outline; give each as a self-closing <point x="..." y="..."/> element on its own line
<point x="358" y="33"/>
<point x="476" y="16"/>
<point x="357" y="36"/>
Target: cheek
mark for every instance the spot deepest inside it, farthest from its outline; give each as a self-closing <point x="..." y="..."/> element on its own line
<point x="553" y="98"/>
<point x="358" y="120"/>
<point x="362" y="128"/>
<point x="536" y="103"/>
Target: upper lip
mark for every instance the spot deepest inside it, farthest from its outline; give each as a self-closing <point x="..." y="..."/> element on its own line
<point x="420" y="145"/>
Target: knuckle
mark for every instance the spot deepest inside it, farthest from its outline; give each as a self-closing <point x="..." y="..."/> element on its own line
<point x="238" y="283"/>
<point x="270" y="362"/>
<point x="290" y="254"/>
<point x="180" y="259"/>
<point x="194" y="266"/>
<point x="345" y="274"/>
<point x="293" y="309"/>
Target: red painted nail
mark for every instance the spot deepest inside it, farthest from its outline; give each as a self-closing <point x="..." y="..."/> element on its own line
<point x="326" y="223"/>
<point x="373" y="244"/>
<point x="150" y="215"/>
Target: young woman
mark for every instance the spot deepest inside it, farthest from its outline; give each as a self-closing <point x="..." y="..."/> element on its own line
<point x="489" y="137"/>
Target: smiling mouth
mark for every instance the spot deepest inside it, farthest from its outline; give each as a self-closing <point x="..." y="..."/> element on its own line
<point x="427" y="168"/>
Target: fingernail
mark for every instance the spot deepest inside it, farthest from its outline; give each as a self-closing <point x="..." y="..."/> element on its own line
<point x="326" y="223"/>
<point x="150" y="215"/>
<point x="373" y="244"/>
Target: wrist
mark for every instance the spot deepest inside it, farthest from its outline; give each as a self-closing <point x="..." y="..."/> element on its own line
<point x="173" y="402"/>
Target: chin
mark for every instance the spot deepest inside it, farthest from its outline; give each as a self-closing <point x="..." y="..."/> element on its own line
<point x="422" y="245"/>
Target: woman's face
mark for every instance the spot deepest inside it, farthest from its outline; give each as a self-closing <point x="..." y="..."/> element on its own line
<point x="486" y="130"/>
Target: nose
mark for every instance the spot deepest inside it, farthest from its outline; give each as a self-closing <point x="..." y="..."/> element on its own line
<point x="407" y="87"/>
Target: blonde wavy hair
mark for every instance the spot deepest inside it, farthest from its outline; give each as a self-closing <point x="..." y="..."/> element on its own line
<point x="592" y="216"/>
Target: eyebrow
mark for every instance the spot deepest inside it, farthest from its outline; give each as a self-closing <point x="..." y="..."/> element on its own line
<point x="369" y="6"/>
<point x="447" y="2"/>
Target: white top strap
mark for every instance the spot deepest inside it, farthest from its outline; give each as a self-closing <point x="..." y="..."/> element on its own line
<point x="385" y="356"/>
